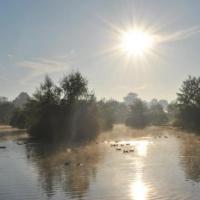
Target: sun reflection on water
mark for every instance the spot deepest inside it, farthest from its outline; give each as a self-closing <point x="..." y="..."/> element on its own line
<point x="142" y="147"/>
<point x="138" y="189"/>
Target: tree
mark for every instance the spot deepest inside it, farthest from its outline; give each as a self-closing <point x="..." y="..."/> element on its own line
<point x="189" y="94"/>
<point x="153" y="102"/>
<point x="188" y="103"/>
<point x="21" y="100"/>
<point x="18" y="119"/>
<point x="6" y="110"/>
<point x="130" y="98"/>
<point x="138" y="115"/>
<point x="48" y="92"/>
<point x="74" y="87"/>
<point x="120" y="111"/>
<point x="164" y="104"/>
<point x="3" y="99"/>
<point x="64" y="112"/>
<point x="107" y="115"/>
<point x="42" y="111"/>
<point x="172" y="112"/>
<point x="156" y="115"/>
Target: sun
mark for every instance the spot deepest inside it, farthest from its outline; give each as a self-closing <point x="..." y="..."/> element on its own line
<point x="136" y="42"/>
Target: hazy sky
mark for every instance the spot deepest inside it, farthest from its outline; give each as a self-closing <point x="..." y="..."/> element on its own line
<point x="58" y="36"/>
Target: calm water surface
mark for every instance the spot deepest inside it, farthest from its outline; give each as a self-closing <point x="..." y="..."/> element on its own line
<point x="165" y="165"/>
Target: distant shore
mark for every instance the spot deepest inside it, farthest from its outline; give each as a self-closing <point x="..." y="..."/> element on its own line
<point x="7" y="128"/>
<point x="7" y="131"/>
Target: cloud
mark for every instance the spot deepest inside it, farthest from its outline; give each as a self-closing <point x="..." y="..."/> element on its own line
<point x="42" y="66"/>
<point x="178" y="35"/>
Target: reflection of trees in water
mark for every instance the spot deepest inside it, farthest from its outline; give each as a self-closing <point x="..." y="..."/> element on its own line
<point x="73" y="178"/>
<point x="190" y="150"/>
<point x="79" y="177"/>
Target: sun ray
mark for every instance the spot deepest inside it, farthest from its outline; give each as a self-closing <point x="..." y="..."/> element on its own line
<point x="135" y="45"/>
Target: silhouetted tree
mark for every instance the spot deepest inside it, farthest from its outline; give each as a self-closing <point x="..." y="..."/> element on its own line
<point x="74" y="87"/>
<point x="6" y="110"/>
<point x="188" y="103"/>
<point x="130" y="98"/>
<point x="21" y="100"/>
<point x="164" y="104"/>
<point x="106" y="112"/>
<point x="156" y="115"/>
<point x="138" y="115"/>
<point x="64" y="112"/>
<point x="42" y="111"/>
<point x="172" y="112"/>
<point x="18" y="118"/>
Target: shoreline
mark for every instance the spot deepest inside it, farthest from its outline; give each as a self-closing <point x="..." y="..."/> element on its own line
<point x="7" y="128"/>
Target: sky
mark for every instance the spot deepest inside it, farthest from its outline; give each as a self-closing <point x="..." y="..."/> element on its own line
<point x="56" y="37"/>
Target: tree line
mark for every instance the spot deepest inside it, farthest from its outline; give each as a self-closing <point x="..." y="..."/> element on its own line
<point x="66" y="111"/>
<point x="141" y="115"/>
<point x="184" y="112"/>
<point x="69" y="111"/>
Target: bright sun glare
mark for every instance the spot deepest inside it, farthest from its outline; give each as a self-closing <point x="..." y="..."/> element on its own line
<point x="136" y="42"/>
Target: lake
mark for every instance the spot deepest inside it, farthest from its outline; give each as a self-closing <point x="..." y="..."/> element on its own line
<point x="155" y="163"/>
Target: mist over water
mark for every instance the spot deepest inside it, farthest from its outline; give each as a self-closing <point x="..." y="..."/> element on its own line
<point x="164" y="165"/>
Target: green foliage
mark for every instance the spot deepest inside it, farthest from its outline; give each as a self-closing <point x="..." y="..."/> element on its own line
<point x="120" y="111"/>
<point x="64" y="112"/>
<point x="74" y="87"/>
<point x="18" y="118"/>
<point x="6" y="110"/>
<point x="106" y="112"/>
<point x="85" y="121"/>
<point x="188" y="103"/>
<point x="172" y="112"/>
<point x="138" y="115"/>
<point x="156" y="115"/>
<point x="189" y="94"/>
<point x="21" y="100"/>
<point x="48" y="93"/>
